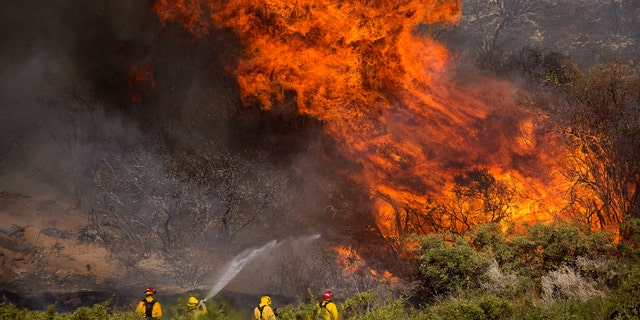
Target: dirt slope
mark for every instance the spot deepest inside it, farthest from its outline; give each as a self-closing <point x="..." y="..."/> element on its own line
<point x="40" y="250"/>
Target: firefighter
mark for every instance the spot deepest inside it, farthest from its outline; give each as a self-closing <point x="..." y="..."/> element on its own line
<point x="149" y="307"/>
<point x="327" y="310"/>
<point x="196" y="308"/>
<point x="263" y="310"/>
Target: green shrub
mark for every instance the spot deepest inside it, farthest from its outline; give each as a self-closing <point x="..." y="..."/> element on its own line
<point x="460" y="310"/>
<point x="392" y="309"/>
<point x="495" y="308"/>
<point x="546" y="248"/>
<point x="472" y="305"/>
<point x="485" y="307"/>
<point x="100" y="311"/>
<point x="297" y="312"/>
<point x="219" y="310"/>
<point x="485" y="237"/>
<point x="449" y="267"/>
<point x="10" y="312"/>
<point x="303" y="311"/>
<point x="361" y="303"/>
<point x="630" y="243"/>
<point x="490" y="307"/>
<point x="624" y="301"/>
<point x="565" y="310"/>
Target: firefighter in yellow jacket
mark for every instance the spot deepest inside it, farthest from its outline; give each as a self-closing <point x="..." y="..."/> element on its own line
<point x="263" y="310"/>
<point x="149" y="307"/>
<point x="197" y="308"/>
<point x="327" y="310"/>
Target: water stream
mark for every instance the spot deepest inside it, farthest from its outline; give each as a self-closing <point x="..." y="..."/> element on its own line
<point x="233" y="267"/>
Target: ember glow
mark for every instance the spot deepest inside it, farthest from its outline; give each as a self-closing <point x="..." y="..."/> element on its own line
<point x="383" y="90"/>
<point x="349" y="260"/>
<point x="140" y="79"/>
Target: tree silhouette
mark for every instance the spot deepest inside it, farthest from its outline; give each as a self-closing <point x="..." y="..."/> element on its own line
<point x="182" y="207"/>
<point x="599" y="119"/>
<point x="479" y="198"/>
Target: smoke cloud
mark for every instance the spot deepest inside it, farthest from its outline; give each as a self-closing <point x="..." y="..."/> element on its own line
<point x="84" y="81"/>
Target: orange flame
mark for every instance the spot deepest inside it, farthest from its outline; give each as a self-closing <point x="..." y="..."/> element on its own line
<point x="349" y="260"/>
<point x="140" y="78"/>
<point x="383" y="91"/>
<point x="385" y="276"/>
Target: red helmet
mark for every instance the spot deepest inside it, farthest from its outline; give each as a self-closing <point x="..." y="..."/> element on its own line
<point x="327" y="295"/>
<point x="149" y="291"/>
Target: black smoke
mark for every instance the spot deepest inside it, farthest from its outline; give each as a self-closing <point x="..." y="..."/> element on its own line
<point x="84" y="81"/>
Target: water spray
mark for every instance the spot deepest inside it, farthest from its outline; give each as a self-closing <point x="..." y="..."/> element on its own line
<point x="234" y="266"/>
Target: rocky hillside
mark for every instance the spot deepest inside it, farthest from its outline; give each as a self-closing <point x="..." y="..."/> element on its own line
<point x="587" y="30"/>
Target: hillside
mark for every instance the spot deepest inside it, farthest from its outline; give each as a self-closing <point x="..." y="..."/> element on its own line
<point x="42" y="255"/>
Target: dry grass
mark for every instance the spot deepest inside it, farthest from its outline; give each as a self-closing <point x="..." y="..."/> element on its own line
<point x="499" y="282"/>
<point x="567" y="283"/>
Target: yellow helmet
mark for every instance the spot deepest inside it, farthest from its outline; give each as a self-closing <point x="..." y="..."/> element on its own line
<point x="265" y="301"/>
<point x="192" y="302"/>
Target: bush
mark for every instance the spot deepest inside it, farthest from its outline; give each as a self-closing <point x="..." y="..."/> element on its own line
<point x="218" y="310"/>
<point x="449" y="267"/>
<point x="630" y="234"/>
<point x="484" y="307"/>
<point x="473" y="305"/>
<point x="485" y="237"/>
<point x="361" y="302"/>
<point x="460" y="310"/>
<point x="495" y="308"/>
<point x="624" y="301"/>
<point x="298" y="312"/>
<point x="546" y="248"/>
<point x="391" y="309"/>
<point x="10" y="312"/>
<point x="100" y="311"/>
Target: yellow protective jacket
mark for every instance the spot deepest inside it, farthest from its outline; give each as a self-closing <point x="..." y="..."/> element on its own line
<point x="328" y="310"/>
<point x="156" y="308"/>
<point x="198" y="312"/>
<point x="264" y="311"/>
